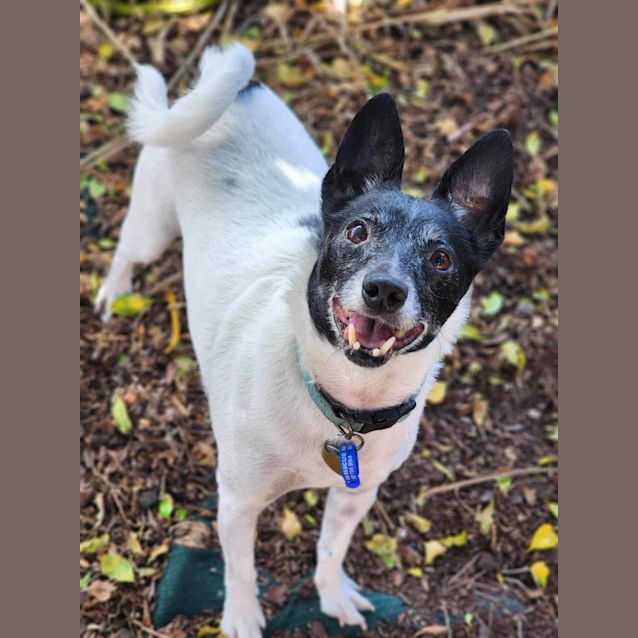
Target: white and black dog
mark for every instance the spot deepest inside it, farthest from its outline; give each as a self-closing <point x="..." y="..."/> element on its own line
<point x="320" y="302"/>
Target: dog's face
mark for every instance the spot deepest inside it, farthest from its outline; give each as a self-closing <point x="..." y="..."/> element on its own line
<point x="392" y="268"/>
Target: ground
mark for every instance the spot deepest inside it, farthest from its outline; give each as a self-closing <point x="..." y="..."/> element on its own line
<point x="456" y="69"/>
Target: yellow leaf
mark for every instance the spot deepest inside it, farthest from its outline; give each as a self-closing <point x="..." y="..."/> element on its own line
<point x="433" y="549"/>
<point x="485" y="517"/>
<point x="134" y="544"/>
<point x="158" y="551"/>
<point x="552" y="506"/>
<point x="416" y="572"/>
<point x="385" y="547"/>
<point x="290" y="525"/>
<point x="479" y="412"/>
<point x="513" y="238"/>
<point x="130" y="304"/>
<point x="420" y="523"/>
<point x="540" y="573"/>
<point x="546" y="460"/>
<point x="291" y="76"/>
<point x="545" y="537"/>
<point x="538" y="226"/>
<point x="311" y="498"/>
<point x="117" y="568"/>
<point x="437" y="393"/>
<point x="176" y="328"/>
<point x="207" y="630"/>
<point x="119" y="412"/>
<point x="456" y="540"/>
<point x="487" y="33"/>
<point x="443" y="469"/>
<point x="94" y="544"/>
<point x="514" y="354"/>
<point x="533" y="143"/>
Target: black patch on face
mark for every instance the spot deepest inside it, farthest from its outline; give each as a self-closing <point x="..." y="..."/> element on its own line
<point x="464" y="218"/>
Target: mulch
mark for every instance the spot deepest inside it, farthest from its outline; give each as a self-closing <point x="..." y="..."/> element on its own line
<point x="453" y="81"/>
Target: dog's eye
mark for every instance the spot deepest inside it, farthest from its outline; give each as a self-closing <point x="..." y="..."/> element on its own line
<point x="441" y="260"/>
<point x="357" y="232"/>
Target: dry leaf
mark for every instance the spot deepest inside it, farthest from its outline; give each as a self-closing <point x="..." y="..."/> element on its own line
<point x="433" y="549"/>
<point x="290" y="525"/>
<point x="101" y="590"/>
<point x="479" y="412"/>
<point x="545" y="537"/>
<point x="540" y="573"/>
<point x="117" y="568"/>
<point x="176" y="328"/>
<point x="92" y="545"/>
<point x="437" y="393"/>
<point x="432" y="630"/>
<point x="485" y="517"/>
<point x="420" y="523"/>
<point x="204" y="454"/>
<point x="385" y="547"/>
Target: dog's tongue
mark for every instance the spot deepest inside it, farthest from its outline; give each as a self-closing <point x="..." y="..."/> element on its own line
<point x="370" y="333"/>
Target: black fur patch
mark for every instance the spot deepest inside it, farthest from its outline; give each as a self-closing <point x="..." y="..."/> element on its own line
<point x="252" y="84"/>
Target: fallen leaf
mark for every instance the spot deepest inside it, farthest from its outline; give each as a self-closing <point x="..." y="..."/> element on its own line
<point x="456" y="540"/>
<point x="290" y="525"/>
<point x="165" y="506"/>
<point x="85" y="580"/>
<point x="385" y="547"/>
<point x="545" y="537"/>
<point x="492" y="304"/>
<point x="479" y="412"/>
<point x="158" y="551"/>
<point x="504" y="483"/>
<point x="117" y="102"/>
<point x="208" y="630"/>
<point x="291" y="76"/>
<point x="533" y="143"/>
<point x="415" y="572"/>
<point x="552" y="506"/>
<point x="513" y="238"/>
<point x="101" y="590"/>
<point x="311" y="498"/>
<point x="468" y="331"/>
<point x="130" y="304"/>
<point x="485" y="518"/>
<point x="119" y="412"/>
<point x="117" y="568"/>
<point x="486" y="33"/>
<point x="134" y="544"/>
<point x="540" y="573"/>
<point x="514" y="354"/>
<point x="552" y="433"/>
<point x="546" y="460"/>
<point x="538" y="226"/>
<point x="176" y="328"/>
<point x="443" y="469"/>
<point x="433" y="549"/>
<point x="437" y="393"/>
<point x="420" y="523"/>
<point x="92" y="545"/>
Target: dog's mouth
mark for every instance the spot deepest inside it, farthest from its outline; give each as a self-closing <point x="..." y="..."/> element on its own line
<point x="369" y="336"/>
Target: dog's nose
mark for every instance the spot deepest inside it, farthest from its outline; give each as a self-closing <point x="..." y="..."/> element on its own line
<point x="383" y="293"/>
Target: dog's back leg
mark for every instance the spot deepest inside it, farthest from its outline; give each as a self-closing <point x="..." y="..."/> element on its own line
<point x="150" y="226"/>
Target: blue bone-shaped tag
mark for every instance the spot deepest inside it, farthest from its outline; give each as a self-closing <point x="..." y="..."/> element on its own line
<point x="349" y="462"/>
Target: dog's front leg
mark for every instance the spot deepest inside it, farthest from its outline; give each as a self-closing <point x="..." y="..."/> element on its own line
<point x="236" y="520"/>
<point x="338" y="593"/>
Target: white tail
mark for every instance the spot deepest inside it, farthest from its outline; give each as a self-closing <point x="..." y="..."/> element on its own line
<point x="222" y="75"/>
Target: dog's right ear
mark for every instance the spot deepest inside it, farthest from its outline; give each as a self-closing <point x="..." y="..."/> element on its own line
<point x="370" y="154"/>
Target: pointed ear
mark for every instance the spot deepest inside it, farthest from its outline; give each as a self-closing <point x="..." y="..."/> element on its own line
<point x="371" y="153"/>
<point x="478" y="186"/>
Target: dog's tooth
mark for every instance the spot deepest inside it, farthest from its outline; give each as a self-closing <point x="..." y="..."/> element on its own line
<point x="352" y="334"/>
<point x="356" y="345"/>
<point x="399" y="333"/>
<point x="387" y="345"/>
<point x="376" y="352"/>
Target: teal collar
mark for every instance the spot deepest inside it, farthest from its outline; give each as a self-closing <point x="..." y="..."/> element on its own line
<point x="361" y="421"/>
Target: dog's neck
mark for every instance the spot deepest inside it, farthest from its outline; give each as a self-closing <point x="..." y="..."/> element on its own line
<point x="355" y="386"/>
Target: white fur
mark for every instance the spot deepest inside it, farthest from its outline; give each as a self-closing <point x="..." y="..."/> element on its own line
<point x="234" y="175"/>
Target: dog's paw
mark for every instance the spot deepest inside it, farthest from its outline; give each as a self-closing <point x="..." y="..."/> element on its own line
<point x="341" y="600"/>
<point x="117" y="283"/>
<point x="242" y="618"/>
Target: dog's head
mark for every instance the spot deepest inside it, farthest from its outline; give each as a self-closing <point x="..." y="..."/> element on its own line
<point x="392" y="268"/>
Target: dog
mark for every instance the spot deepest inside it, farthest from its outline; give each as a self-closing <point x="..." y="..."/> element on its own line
<point x="320" y="299"/>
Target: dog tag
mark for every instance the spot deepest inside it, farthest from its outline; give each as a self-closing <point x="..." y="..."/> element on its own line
<point x="349" y="462"/>
<point x="331" y="460"/>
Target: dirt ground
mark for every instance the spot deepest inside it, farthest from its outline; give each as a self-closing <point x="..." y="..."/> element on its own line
<point x="457" y="70"/>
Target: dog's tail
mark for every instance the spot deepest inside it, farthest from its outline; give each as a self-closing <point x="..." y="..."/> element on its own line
<point x="222" y="75"/>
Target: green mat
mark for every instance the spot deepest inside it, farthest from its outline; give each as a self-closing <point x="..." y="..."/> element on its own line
<point x="194" y="584"/>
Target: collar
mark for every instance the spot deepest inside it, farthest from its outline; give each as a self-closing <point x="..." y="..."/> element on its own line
<point x="361" y="421"/>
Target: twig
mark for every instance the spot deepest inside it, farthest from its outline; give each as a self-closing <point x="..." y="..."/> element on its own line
<point x="95" y="17"/>
<point x="380" y="510"/>
<point x="525" y="39"/>
<point x="148" y="630"/>
<point x="165" y="283"/>
<point x="450" y="487"/>
<point x="437" y="17"/>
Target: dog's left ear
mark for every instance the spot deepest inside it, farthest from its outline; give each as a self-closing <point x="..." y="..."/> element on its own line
<point x="370" y="154"/>
<point x="478" y="187"/>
